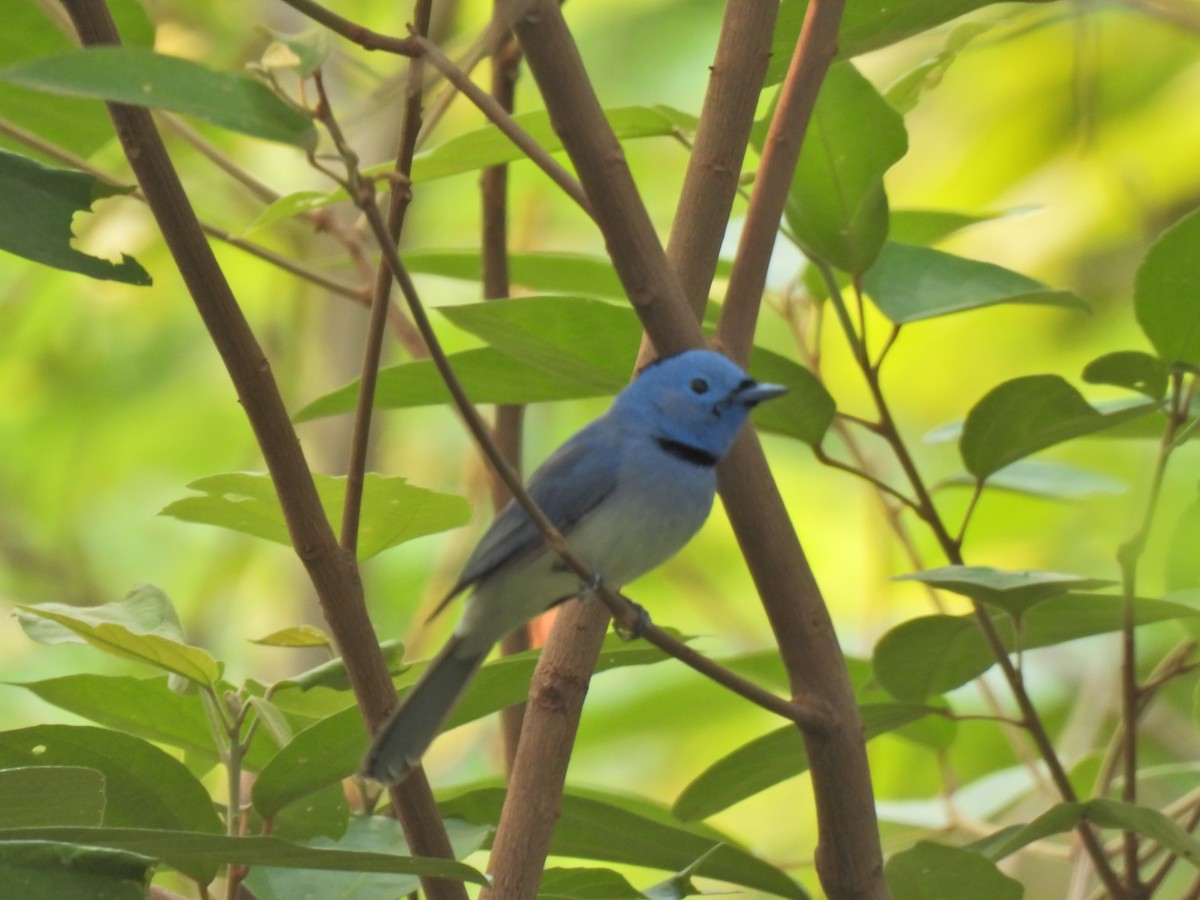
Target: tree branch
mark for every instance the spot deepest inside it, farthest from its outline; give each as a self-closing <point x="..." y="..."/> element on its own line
<point x="333" y="572"/>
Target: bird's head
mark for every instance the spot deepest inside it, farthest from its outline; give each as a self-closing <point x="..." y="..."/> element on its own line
<point x="697" y="398"/>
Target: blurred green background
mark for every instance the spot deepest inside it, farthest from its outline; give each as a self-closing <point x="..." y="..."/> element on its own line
<point x="1076" y="123"/>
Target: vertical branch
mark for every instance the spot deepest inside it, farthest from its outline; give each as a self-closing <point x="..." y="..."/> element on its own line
<point x="509" y="421"/>
<point x="331" y="569"/>
<point x="398" y="201"/>
<point x="815" y="51"/>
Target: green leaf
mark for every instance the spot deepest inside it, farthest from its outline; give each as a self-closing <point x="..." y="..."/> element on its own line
<point x="48" y="870"/>
<point x="1104" y="813"/>
<point x="1045" y="478"/>
<point x="375" y="834"/>
<point x="935" y="654"/>
<point x="490" y="147"/>
<point x="80" y="126"/>
<point x="928" y="226"/>
<point x="142" y="77"/>
<point x="332" y="748"/>
<point x="929" y="871"/>
<point x="1166" y="293"/>
<point x="142" y="627"/>
<point x="191" y="852"/>
<point x="805" y="412"/>
<point x="144" y="786"/>
<point x="580" y="340"/>
<point x="332" y="674"/>
<point x="145" y="707"/>
<point x="772" y="758"/>
<point x="272" y="720"/>
<point x="547" y="273"/>
<point x="866" y="25"/>
<point x="295" y="636"/>
<point x="392" y="510"/>
<point x="1131" y="369"/>
<point x="487" y="375"/>
<point x="837" y="207"/>
<point x="632" y="831"/>
<point x="51" y="795"/>
<point x="910" y="283"/>
<point x="35" y="219"/>
<point x="1025" y="415"/>
<point x="585" y="884"/>
<point x="1013" y="592"/>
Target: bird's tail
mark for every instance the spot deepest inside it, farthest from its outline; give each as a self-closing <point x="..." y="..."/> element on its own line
<point x="404" y="738"/>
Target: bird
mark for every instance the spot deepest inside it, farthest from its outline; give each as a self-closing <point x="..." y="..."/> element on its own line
<point x="627" y="491"/>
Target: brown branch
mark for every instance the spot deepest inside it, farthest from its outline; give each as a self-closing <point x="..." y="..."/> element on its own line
<point x="509" y="420"/>
<point x="332" y="571"/>
<point x="352" y="31"/>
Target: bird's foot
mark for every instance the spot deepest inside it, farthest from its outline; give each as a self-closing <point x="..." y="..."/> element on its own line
<point x="634" y="625"/>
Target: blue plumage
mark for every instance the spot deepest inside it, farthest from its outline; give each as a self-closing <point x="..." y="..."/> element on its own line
<point x="627" y="491"/>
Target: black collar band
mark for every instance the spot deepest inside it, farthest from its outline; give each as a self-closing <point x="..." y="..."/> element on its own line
<point x="688" y="453"/>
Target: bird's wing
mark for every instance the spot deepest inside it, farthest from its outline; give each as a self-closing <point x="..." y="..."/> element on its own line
<point x="572" y="482"/>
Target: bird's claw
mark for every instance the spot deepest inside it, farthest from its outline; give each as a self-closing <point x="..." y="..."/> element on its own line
<point x="636" y="625"/>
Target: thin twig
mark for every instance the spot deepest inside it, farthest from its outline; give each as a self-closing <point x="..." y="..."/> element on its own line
<point x="364" y="37"/>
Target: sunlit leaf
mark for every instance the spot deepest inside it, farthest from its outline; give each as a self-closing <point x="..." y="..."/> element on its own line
<point x="1028" y="414"/>
<point x="393" y="511"/>
<point x="51" y="795"/>
<point x="35" y="218"/>
<point x="936" y="654"/>
<point x="929" y="871"/>
<point x="1013" y="591"/>
<point x="142" y="627"/>
<point x="1166" y="293"/>
<point x="546" y="273"/>
<point x="295" y="636"/>
<point x="928" y="226"/>
<point x="905" y="92"/>
<point x="141" y="77"/>
<point x="631" y="831"/>
<point x="910" y="283"/>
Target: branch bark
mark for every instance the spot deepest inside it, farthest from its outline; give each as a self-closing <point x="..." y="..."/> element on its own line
<point x="333" y="571"/>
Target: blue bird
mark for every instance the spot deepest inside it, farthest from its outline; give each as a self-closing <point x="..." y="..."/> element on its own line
<point x="627" y="491"/>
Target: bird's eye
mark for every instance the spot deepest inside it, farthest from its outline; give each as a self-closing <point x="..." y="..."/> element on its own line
<point x="699" y="386"/>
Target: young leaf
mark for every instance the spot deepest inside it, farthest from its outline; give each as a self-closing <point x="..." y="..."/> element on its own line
<point x="1131" y="369"/>
<point x="200" y="854"/>
<point x="1166" y="293"/>
<point x="374" y="834"/>
<point x="1014" y="592"/>
<point x="631" y="831"/>
<point x="1045" y="478"/>
<point x="772" y="758"/>
<point x="144" y="787"/>
<point x="929" y="871"/>
<point x="910" y="283"/>
<point x="272" y="720"/>
<point x="48" y="870"/>
<point x="1022" y="416"/>
<point x="935" y="654"/>
<point x="295" y="636"/>
<point x="35" y="218"/>
<point x="837" y="206"/>
<point x="51" y="795"/>
<point x="142" y="627"/>
<point x="142" y="77"/>
<point x="392" y="512"/>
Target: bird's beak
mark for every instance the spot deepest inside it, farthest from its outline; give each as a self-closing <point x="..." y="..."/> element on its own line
<point x="753" y="393"/>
